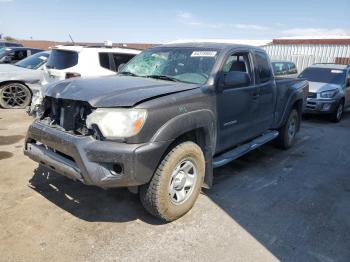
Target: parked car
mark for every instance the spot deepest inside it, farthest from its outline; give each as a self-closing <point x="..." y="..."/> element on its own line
<point x="172" y="114"/>
<point x="11" y="55"/>
<point x="284" y="69"/>
<point x="80" y="61"/>
<point x="329" y="89"/>
<point x="19" y="81"/>
<point x="9" y="44"/>
<point x="85" y="61"/>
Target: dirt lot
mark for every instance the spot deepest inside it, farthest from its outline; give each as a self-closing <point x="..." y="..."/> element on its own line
<point x="269" y="205"/>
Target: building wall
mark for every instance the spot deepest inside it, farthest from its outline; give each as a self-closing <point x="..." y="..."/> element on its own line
<point x="304" y="55"/>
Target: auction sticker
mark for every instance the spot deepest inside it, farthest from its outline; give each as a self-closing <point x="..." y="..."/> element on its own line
<point x="203" y="54"/>
<point x="337" y="71"/>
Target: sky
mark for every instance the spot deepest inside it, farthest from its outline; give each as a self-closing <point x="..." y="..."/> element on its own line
<point x="163" y="21"/>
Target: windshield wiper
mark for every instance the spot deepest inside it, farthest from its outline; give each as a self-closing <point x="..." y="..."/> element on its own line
<point x="126" y="73"/>
<point x="163" y="77"/>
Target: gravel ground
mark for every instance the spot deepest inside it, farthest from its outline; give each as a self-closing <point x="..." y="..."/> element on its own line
<point x="268" y="205"/>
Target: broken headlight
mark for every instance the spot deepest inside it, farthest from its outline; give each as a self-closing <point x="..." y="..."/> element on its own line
<point x="117" y="123"/>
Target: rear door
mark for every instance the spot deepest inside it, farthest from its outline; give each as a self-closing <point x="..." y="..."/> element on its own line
<point x="266" y="90"/>
<point x="237" y="106"/>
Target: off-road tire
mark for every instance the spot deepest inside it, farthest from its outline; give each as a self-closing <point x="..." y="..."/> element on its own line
<point x="285" y="140"/>
<point x="155" y="196"/>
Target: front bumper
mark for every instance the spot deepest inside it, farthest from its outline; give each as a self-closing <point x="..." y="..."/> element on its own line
<point x="101" y="163"/>
<point x="319" y="106"/>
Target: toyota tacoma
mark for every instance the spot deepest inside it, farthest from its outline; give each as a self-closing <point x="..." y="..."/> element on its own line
<point x="171" y="115"/>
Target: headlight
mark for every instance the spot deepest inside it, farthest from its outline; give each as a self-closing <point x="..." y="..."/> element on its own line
<point x="117" y="123"/>
<point x="329" y="94"/>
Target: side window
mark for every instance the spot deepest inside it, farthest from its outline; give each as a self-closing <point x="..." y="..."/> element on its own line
<point x="19" y="55"/>
<point x="263" y="69"/>
<point x="237" y="62"/>
<point x="104" y="60"/>
<point x="121" y="59"/>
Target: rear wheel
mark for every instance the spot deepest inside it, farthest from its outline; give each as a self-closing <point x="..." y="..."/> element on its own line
<point x="14" y="95"/>
<point x="287" y="134"/>
<point x="338" y="114"/>
<point x="176" y="183"/>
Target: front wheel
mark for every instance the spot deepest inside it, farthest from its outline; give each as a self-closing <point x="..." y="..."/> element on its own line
<point x="287" y="133"/>
<point x="338" y="114"/>
<point x="14" y="95"/>
<point x="176" y="183"/>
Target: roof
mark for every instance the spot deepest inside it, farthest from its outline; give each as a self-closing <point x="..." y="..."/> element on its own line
<point x="79" y="48"/>
<point x="20" y="48"/>
<point x="331" y="66"/>
<point x="44" y="44"/>
<point x="316" y="40"/>
<point x="251" y="42"/>
<point x="205" y="45"/>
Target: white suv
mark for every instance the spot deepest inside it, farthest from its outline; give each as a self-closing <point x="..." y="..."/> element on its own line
<point x="84" y="61"/>
<point x="79" y="61"/>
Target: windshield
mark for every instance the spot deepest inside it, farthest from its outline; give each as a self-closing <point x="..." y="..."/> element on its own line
<point x="34" y="61"/>
<point x="62" y="59"/>
<point x="3" y="52"/>
<point x="189" y="65"/>
<point x="324" y="75"/>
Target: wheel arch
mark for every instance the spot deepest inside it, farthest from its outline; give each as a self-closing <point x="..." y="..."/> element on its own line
<point x="196" y="126"/>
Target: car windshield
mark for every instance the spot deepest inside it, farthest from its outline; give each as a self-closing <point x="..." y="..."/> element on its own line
<point x="324" y="75"/>
<point x="189" y="65"/>
<point x="34" y="61"/>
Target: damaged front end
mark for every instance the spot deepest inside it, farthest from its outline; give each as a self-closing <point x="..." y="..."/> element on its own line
<point x="61" y="141"/>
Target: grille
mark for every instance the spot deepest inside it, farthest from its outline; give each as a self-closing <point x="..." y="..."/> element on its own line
<point x="311" y="95"/>
<point x="67" y="114"/>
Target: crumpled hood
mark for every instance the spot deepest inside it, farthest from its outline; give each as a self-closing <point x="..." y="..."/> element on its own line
<point x="12" y="72"/>
<point x="316" y="87"/>
<point x="114" y="91"/>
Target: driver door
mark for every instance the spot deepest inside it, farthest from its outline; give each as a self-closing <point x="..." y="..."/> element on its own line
<point x="237" y="106"/>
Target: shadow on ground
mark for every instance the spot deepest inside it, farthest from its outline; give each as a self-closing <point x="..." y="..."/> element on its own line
<point x="296" y="203"/>
<point x="87" y="202"/>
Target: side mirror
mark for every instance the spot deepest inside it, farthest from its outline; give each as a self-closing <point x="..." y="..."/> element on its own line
<point x="120" y="67"/>
<point x="236" y="79"/>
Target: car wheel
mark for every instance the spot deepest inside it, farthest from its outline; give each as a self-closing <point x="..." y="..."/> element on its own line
<point x="287" y="133"/>
<point x="14" y="95"/>
<point x="338" y="114"/>
<point x="176" y="183"/>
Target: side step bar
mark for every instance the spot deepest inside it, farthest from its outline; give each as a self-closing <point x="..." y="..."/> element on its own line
<point x="241" y="150"/>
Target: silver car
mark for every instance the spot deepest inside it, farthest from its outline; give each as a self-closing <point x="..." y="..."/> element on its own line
<point x="329" y="89"/>
<point x="18" y="82"/>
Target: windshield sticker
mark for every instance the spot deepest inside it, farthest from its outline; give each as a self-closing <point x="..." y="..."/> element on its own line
<point x="336" y="71"/>
<point x="203" y="54"/>
<point x="43" y="58"/>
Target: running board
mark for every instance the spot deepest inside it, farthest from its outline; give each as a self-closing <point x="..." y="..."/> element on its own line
<point x="241" y="150"/>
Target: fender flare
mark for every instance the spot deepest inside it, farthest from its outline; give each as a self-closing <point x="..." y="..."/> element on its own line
<point x="199" y="119"/>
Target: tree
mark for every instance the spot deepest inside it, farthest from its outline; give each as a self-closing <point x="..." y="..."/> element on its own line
<point x="10" y="39"/>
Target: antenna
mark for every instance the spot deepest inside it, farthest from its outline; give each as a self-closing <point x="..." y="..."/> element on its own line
<point x="71" y="39"/>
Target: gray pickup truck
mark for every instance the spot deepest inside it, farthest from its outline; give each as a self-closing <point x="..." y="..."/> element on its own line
<point x="172" y="114"/>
